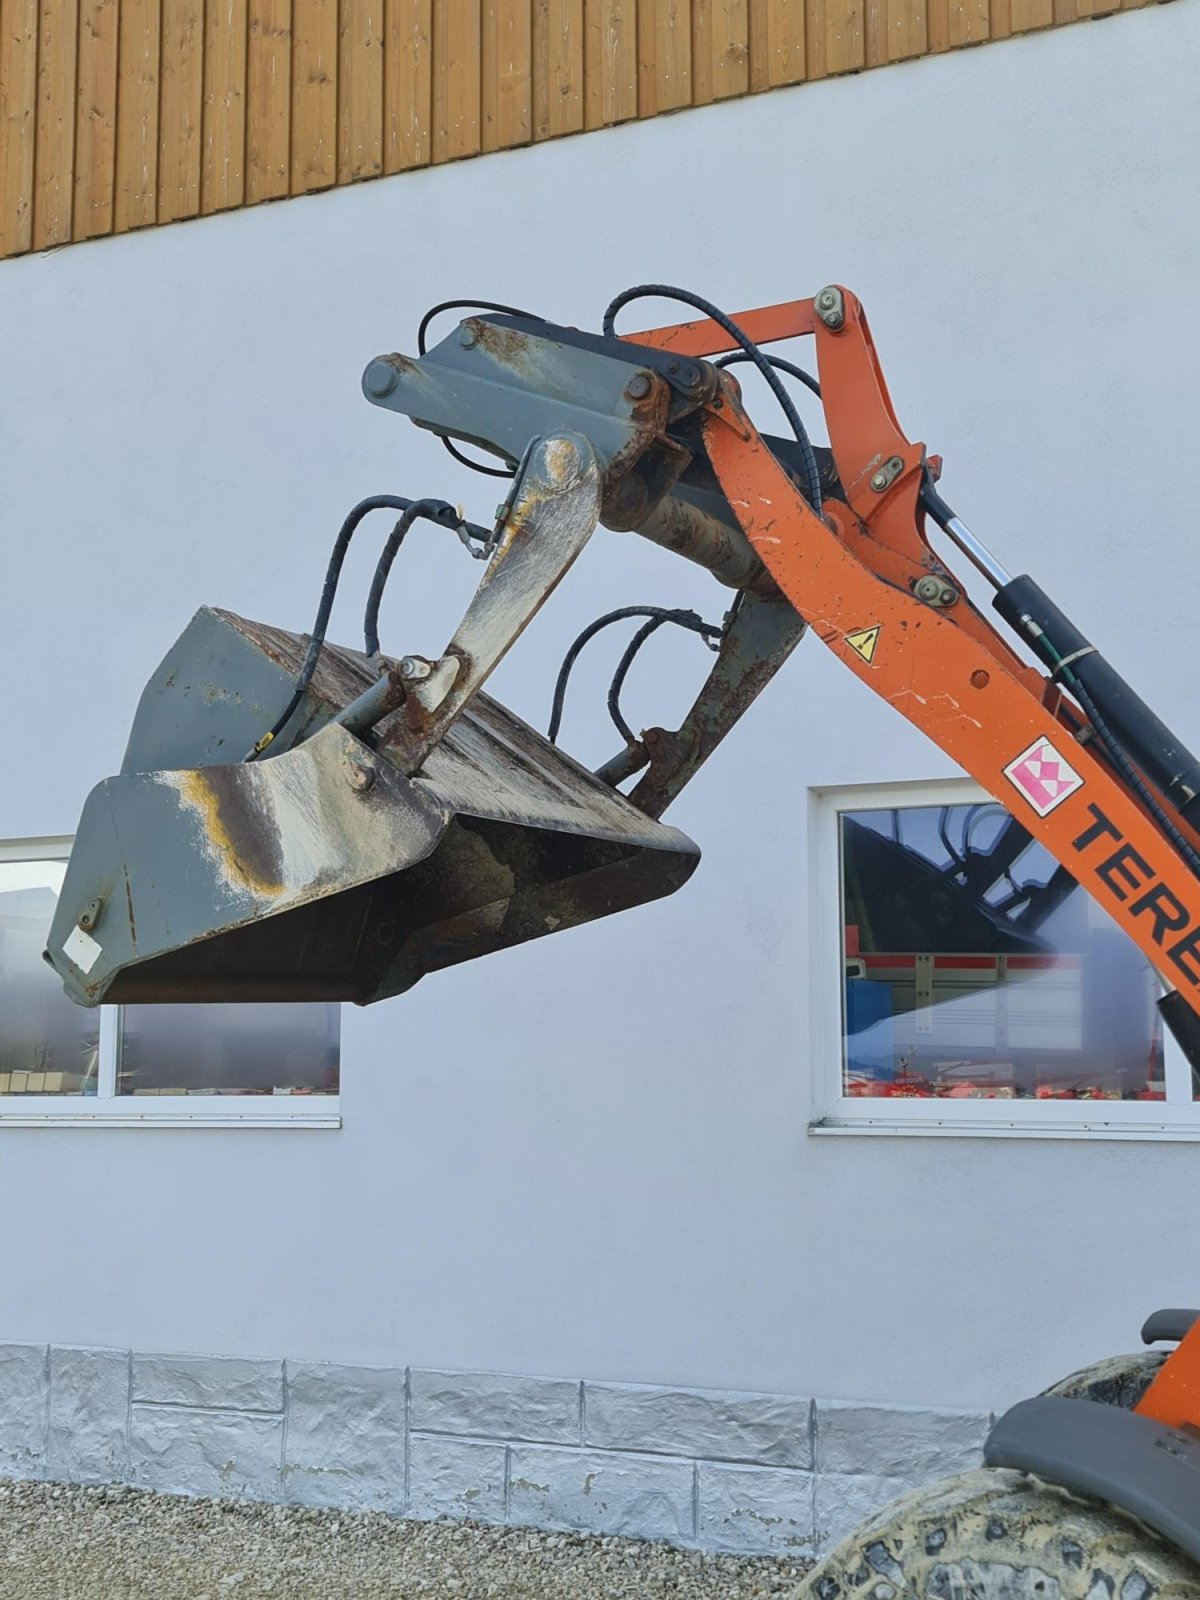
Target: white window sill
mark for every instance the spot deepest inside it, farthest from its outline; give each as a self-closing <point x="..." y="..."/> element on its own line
<point x="962" y="1128"/>
<point x="45" y="1111"/>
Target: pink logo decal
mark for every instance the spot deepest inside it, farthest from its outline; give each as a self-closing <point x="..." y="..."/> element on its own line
<point x="1043" y="777"/>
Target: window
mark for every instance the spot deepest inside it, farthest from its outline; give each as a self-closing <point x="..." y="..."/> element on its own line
<point x="968" y="984"/>
<point x="146" y="1064"/>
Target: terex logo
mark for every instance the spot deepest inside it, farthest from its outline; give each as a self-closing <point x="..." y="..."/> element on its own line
<point x="1043" y="776"/>
<point x="1124" y="873"/>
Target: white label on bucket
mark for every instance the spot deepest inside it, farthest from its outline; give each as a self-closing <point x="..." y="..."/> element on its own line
<point x="82" y="949"/>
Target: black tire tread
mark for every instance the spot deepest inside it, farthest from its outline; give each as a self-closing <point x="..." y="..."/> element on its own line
<point x="1001" y="1535"/>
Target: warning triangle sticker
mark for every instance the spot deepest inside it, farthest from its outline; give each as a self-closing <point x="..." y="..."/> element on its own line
<point x="864" y="641"/>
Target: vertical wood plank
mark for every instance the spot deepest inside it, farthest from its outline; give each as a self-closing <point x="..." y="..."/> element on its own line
<point x="731" y="47"/>
<point x="908" y="33"/>
<point x="875" y="31"/>
<point x="1029" y="14"/>
<point x="360" y="90"/>
<point x="54" y="151"/>
<point x="672" y="53"/>
<point x="970" y="22"/>
<point x="647" y="59"/>
<point x="999" y="19"/>
<point x="610" y="61"/>
<point x="664" y="56"/>
<point x="95" y="119"/>
<point x="507" y="61"/>
<point x="778" y="49"/>
<point x="268" y="99"/>
<point x="702" y="51"/>
<point x="223" y="163"/>
<point x="845" y="37"/>
<point x="456" y="79"/>
<point x="557" y="67"/>
<point x="136" y="202"/>
<point x="814" y="38"/>
<point x="937" y="22"/>
<point x="180" y="108"/>
<point x="315" y="80"/>
<point x="407" y="84"/>
<point x="18" y="97"/>
<point x="760" y="47"/>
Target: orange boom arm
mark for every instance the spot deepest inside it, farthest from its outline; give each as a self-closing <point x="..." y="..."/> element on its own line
<point x="864" y="577"/>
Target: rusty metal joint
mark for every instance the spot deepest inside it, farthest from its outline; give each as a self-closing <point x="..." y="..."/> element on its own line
<point x="428" y="687"/>
<point x="624" y="764"/>
<point x="375" y="703"/>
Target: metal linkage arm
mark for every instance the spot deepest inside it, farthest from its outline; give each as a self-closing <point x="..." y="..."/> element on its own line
<point x="763" y="633"/>
<point x="550" y="516"/>
<point x="680" y="460"/>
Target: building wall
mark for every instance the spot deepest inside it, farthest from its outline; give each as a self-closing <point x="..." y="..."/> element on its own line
<point x="767" y="1473"/>
<point x="588" y="1158"/>
<point x="119" y="117"/>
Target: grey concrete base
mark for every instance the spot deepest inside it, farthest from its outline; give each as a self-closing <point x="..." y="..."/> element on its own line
<point x="753" y="1473"/>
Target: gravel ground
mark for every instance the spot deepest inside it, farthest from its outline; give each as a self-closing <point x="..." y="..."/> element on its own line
<point x="63" y="1543"/>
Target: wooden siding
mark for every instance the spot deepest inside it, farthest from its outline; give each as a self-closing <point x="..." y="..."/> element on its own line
<point x="115" y="114"/>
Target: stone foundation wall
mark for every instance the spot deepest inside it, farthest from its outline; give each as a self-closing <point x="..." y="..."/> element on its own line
<point x="724" y="1471"/>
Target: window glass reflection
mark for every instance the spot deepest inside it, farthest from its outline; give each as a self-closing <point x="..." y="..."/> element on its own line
<point x="229" y="1049"/>
<point x="48" y="1045"/>
<point x="975" y="967"/>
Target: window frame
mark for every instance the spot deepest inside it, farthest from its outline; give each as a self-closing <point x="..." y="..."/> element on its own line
<point x="836" y="1113"/>
<point x="106" y="1108"/>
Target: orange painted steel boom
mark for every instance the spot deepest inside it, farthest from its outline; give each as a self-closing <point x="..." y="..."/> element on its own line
<point x="864" y="577"/>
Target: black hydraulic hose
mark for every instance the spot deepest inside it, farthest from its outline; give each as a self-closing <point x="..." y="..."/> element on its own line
<point x="422" y="330"/>
<point x="1061" y="666"/>
<point x="622" y="672"/>
<point x="1128" y="771"/>
<point x="662" y="291"/>
<point x="790" y="367"/>
<point x="658" y="615"/>
<point x="1144" y="737"/>
<point x="464" y="305"/>
<point x="1178" y="1015"/>
<point x="439" y="511"/>
<point x="375" y="502"/>
<point x="627" y="660"/>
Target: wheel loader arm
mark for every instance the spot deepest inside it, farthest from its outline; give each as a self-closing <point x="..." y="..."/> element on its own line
<point x="1071" y="752"/>
<point x="833" y="540"/>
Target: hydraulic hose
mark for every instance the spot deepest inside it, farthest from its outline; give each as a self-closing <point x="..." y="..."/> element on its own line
<point x="375" y="502"/>
<point x="662" y="291"/>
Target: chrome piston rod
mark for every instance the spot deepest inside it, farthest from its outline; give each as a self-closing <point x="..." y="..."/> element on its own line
<point x="955" y="529"/>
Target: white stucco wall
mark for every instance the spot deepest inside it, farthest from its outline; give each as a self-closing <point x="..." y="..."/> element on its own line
<point x="589" y="1155"/>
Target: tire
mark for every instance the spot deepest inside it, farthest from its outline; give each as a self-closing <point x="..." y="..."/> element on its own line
<point x="1119" y="1381"/>
<point x="1000" y="1535"/>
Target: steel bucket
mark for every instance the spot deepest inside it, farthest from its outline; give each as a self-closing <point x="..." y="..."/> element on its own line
<point x="324" y="872"/>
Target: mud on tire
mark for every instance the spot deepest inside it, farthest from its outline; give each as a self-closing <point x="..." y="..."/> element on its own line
<point x="1119" y="1381"/>
<point x="1000" y="1535"/>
